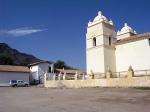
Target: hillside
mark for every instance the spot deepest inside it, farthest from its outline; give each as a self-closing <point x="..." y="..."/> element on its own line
<point x="11" y="56"/>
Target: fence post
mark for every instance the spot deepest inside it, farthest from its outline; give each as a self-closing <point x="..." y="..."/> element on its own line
<point x="76" y="76"/>
<point x="45" y="80"/>
<point x="83" y="77"/>
<point x="130" y="72"/>
<point x="108" y="74"/>
<point x="64" y="76"/>
<point x="119" y="75"/>
<point x="91" y="75"/>
<point x="54" y="77"/>
<point x="146" y="72"/>
<point x="59" y="76"/>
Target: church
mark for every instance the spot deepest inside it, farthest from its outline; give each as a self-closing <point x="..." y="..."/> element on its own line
<point x="107" y="49"/>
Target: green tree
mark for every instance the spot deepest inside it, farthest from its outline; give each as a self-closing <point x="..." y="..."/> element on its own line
<point x="61" y="64"/>
<point x="5" y="60"/>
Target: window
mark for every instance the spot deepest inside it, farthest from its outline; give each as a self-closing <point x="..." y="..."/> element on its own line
<point x="149" y="41"/>
<point x="13" y="81"/>
<point x="50" y="70"/>
<point x="94" y="41"/>
<point x="110" y="41"/>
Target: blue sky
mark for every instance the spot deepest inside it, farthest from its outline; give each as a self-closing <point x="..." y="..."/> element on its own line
<point x="55" y="29"/>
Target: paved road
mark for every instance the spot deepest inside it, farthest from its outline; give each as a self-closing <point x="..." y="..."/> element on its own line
<point x="33" y="99"/>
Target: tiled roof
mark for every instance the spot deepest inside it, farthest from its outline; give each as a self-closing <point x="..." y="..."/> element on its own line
<point x="134" y="38"/>
<point x="36" y="63"/>
<point x="68" y="71"/>
<point x="11" y="68"/>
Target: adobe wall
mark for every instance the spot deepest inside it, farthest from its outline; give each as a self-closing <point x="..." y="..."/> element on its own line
<point x="110" y="82"/>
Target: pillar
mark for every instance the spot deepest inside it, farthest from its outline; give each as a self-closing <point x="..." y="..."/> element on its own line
<point x="59" y="76"/>
<point x="45" y="80"/>
<point x="130" y="73"/>
<point x="76" y="76"/>
<point x="83" y="77"/>
<point x="109" y="73"/>
<point x="64" y="76"/>
<point x="54" y="77"/>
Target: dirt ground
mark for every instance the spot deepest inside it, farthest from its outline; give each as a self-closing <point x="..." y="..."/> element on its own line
<point x="34" y="99"/>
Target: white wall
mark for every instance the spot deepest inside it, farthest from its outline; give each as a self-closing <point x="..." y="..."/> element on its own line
<point x="94" y="30"/>
<point x="109" y="59"/>
<point x="99" y="57"/>
<point x="95" y="60"/>
<point x="39" y="70"/>
<point x="136" y="54"/>
<point x="43" y="68"/>
<point x="34" y="72"/>
<point x="5" y="77"/>
<point x="34" y="68"/>
<point x="124" y="35"/>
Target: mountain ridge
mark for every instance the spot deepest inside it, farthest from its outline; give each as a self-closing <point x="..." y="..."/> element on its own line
<point x="16" y="57"/>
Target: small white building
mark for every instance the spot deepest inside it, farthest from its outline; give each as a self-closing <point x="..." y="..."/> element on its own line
<point x="116" y="51"/>
<point x="8" y="72"/>
<point x="33" y="74"/>
<point x="38" y="70"/>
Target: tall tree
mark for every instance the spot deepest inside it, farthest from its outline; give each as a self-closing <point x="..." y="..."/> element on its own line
<point x="61" y="64"/>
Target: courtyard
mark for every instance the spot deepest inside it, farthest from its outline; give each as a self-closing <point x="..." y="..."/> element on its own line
<point x="36" y="99"/>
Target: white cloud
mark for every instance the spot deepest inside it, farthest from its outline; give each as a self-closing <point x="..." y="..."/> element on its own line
<point x="21" y="31"/>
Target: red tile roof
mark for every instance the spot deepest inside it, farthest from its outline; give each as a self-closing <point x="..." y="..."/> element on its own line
<point x="134" y="38"/>
<point x="11" y="68"/>
<point x="68" y="71"/>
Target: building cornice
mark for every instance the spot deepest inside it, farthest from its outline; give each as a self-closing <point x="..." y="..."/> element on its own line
<point x="133" y="38"/>
<point x="103" y="23"/>
<point x="99" y="46"/>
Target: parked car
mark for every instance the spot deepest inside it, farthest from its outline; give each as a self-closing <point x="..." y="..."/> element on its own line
<point x="18" y="83"/>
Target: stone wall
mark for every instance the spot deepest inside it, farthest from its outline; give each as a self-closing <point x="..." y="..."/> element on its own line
<point x="108" y="81"/>
<point x="76" y="83"/>
<point x="112" y="82"/>
<point x="129" y="82"/>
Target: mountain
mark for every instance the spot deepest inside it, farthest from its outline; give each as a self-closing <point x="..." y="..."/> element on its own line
<point x="11" y="56"/>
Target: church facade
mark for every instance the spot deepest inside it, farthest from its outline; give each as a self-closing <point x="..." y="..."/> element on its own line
<point x="107" y="49"/>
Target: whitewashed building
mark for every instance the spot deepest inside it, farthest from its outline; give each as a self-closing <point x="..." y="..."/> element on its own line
<point x="33" y="74"/>
<point x="9" y="72"/>
<point x="38" y="70"/>
<point x="116" y="51"/>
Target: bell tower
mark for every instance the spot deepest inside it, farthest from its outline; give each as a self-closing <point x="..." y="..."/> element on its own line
<point x="100" y="51"/>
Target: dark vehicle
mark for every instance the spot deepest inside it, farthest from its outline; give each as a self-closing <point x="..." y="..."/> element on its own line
<point x="18" y="83"/>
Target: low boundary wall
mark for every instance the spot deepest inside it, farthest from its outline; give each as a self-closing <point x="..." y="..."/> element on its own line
<point x="110" y="82"/>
